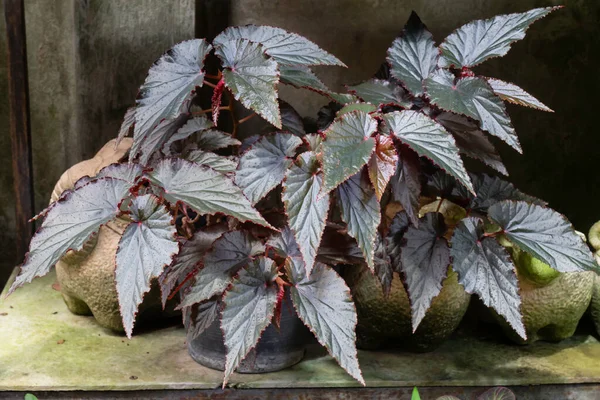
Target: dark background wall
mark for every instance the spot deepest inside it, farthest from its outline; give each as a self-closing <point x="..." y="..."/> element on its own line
<point x="87" y="58"/>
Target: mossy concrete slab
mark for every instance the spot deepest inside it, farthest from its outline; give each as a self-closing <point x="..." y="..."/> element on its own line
<point x="45" y="347"/>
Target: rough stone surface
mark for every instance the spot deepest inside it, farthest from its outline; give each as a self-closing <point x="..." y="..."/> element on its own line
<point x="387" y="322"/>
<point x="595" y="303"/>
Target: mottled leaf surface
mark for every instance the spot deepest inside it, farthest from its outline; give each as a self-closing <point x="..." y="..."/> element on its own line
<point x="69" y="223"/>
<point x="413" y="56"/>
<point x="324" y="304"/>
<point x="382" y="165"/>
<point x="148" y="245"/>
<point x="473" y="97"/>
<point x="204" y="189"/>
<point x="545" y="234"/>
<point x="406" y="182"/>
<point x="222" y="164"/>
<point x="252" y="77"/>
<point x="264" y="166"/>
<point x="360" y="210"/>
<point x="425" y="260"/>
<point x="347" y="147"/>
<point x="477" y="41"/>
<point x="514" y="94"/>
<point x="485" y="268"/>
<point x="201" y="316"/>
<point x="249" y="307"/>
<point x="305" y="207"/>
<point x="380" y="92"/>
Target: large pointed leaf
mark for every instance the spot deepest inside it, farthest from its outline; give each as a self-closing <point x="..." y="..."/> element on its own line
<point x="157" y="138"/>
<point x="324" y="304"/>
<point x="263" y="166"/>
<point x="222" y="164"/>
<point x="301" y="77"/>
<point x="360" y="210"/>
<point x="380" y="92"/>
<point x="514" y="94"/>
<point x="286" y="48"/>
<point x="229" y="253"/>
<point x="203" y="189"/>
<point x="383" y="164"/>
<point x="339" y="248"/>
<point x="471" y="140"/>
<point x="425" y="260"/>
<point x="491" y="189"/>
<point x="291" y="121"/>
<point x="347" y="147"/>
<point x="429" y="139"/>
<point x="413" y="56"/>
<point x="545" y="234"/>
<point x="190" y="254"/>
<point x="201" y="316"/>
<point x="128" y="172"/>
<point x="473" y="97"/>
<point x="146" y="247"/>
<point x="480" y="40"/>
<point x="406" y="182"/>
<point x="305" y="207"/>
<point x="169" y="85"/>
<point x="193" y="125"/>
<point x="249" y="307"/>
<point x="284" y="243"/>
<point x="69" y="224"/>
<point x="486" y="269"/>
<point x="252" y="77"/>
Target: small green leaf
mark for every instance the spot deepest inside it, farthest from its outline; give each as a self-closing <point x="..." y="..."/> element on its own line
<point x="252" y="77"/>
<point x="222" y="164"/>
<point x="347" y="147"/>
<point x="29" y="396"/>
<point x="382" y="165"/>
<point x="380" y="92"/>
<point x="413" y="56"/>
<point x="514" y="94"/>
<point x="473" y="97"/>
<point x="415" y="394"/>
<point x="545" y="234"/>
<point x="481" y="40"/>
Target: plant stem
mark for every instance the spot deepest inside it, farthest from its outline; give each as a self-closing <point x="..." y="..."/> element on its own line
<point x="246" y="118"/>
<point x="209" y="110"/>
<point x="439" y="205"/>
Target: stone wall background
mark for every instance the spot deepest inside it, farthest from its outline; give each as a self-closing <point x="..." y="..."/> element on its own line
<point x="87" y="58"/>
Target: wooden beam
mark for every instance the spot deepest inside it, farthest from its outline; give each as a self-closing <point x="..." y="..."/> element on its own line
<point x="20" y="130"/>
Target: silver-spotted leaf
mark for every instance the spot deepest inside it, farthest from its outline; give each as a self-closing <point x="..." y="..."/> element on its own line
<point x="222" y="164"/>
<point x="147" y="246"/>
<point x="301" y="77"/>
<point x="360" y="210"/>
<point x="545" y="234"/>
<point x="229" y="253"/>
<point x="380" y="92"/>
<point x="252" y="77"/>
<point x="485" y="268"/>
<point x="286" y="48"/>
<point x="200" y="317"/>
<point x="156" y="138"/>
<point x="169" y="86"/>
<point x="126" y="125"/>
<point x="193" y="125"/>
<point x="204" y="190"/>
<point x="473" y="97"/>
<point x="70" y="223"/>
<point x="324" y="304"/>
<point x="413" y="56"/>
<point x="305" y="206"/>
<point x="128" y="172"/>
<point x="264" y="166"/>
<point x="514" y="94"/>
<point x="347" y="147"/>
<point x="406" y="182"/>
<point x="477" y="41"/>
<point x="428" y="139"/>
<point x="249" y="307"/>
<point x="425" y="260"/>
<point x="213" y="139"/>
<point x="284" y="243"/>
<point x="383" y="164"/>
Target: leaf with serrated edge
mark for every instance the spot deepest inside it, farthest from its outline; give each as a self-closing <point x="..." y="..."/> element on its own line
<point x="290" y="119"/>
<point x="514" y="94"/>
<point x="305" y="206"/>
<point x="284" y="243"/>
<point x="156" y="139"/>
<point x="425" y="260"/>
<point x="148" y="245"/>
<point x="545" y="234"/>
<point x="264" y="166"/>
<point x="361" y="211"/>
<point x="301" y="77"/>
<point x="406" y="182"/>
<point x="413" y="56"/>
<point x="128" y="121"/>
<point x="213" y="139"/>
<point x="429" y="139"/>
<point x="324" y="304"/>
<point x="473" y="97"/>
<point x="70" y="223"/>
<point x="249" y="307"/>
<point x="380" y="92"/>
<point x="128" y="172"/>
<point x="485" y="268"/>
<point x="222" y="164"/>
<point x="169" y="85"/>
<point x="491" y="189"/>
<point x="204" y="190"/>
<point x="286" y="48"/>
<point x="480" y="40"/>
<point x="229" y="253"/>
<point x="382" y="165"/>
<point x="252" y="77"/>
<point x="339" y="248"/>
<point x="347" y="147"/>
<point x="201" y="317"/>
<point x="193" y="125"/>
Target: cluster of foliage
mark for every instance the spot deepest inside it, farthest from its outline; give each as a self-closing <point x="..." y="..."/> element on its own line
<point x="499" y="393"/>
<point x="236" y="227"/>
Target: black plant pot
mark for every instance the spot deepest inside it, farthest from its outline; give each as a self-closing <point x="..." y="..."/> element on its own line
<point x="276" y="349"/>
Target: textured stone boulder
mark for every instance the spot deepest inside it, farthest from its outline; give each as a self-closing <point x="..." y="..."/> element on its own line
<point x="386" y="322"/>
<point x="594" y="239"/>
